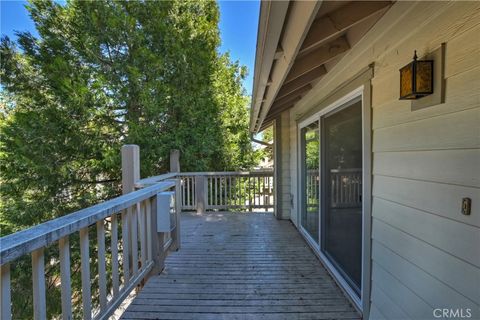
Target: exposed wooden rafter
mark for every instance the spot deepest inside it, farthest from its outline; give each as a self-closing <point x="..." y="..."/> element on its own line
<point x="287" y="102"/>
<point x="301" y="81"/>
<point x="317" y="57"/>
<point x="278" y="53"/>
<point x="286" y="99"/>
<point x="333" y="24"/>
<point x="299" y="64"/>
<point x="272" y="115"/>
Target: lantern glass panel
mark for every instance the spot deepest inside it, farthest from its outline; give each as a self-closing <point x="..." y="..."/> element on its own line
<point x="423" y="79"/>
<point x="406" y="81"/>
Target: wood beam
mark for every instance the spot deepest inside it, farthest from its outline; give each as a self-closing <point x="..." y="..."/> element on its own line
<point x="292" y="95"/>
<point x="317" y="57"/>
<point x="301" y="81"/>
<point x="333" y="24"/>
<point x="265" y="125"/>
<point x="274" y="113"/>
<point x="278" y="53"/>
<point x="287" y="102"/>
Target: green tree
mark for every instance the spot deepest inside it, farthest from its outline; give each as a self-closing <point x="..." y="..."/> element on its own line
<point x="102" y="74"/>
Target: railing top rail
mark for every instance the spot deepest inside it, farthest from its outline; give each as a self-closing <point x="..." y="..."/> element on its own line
<point x="142" y="183"/>
<point x="229" y="173"/>
<point x="355" y="170"/>
<point x="42" y="235"/>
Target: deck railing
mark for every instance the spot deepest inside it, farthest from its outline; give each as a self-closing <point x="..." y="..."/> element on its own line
<point x="346" y="187"/>
<point x="135" y="248"/>
<point x="134" y="213"/>
<point x="249" y="191"/>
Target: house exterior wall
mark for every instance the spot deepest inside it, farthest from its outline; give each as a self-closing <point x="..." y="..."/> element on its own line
<point x="282" y="166"/>
<point x="425" y="253"/>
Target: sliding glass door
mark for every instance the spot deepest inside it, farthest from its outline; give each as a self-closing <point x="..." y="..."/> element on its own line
<point x="310" y="179"/>
<point x="341" y="211"/>
<point x="331" y="188"/>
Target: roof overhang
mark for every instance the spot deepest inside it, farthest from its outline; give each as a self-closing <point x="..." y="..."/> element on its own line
<point x="298" y="42"/>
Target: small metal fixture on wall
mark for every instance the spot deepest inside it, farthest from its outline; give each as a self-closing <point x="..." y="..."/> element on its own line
<point x="416" y="79"/>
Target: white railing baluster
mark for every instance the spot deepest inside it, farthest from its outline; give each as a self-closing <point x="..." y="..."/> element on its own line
<point x="85" y="267"/>
<point x="229" y="190"/>
<point x="38" y="278"/>
<point x="125" y="247"/>
<point x="245" y="188"/>
<point x="141" y="230"/>
<point x="64" y="247"/>
<point x="189" y="192"/>
<point x="102" y="272"/>
<point x="134" y="240"/>
<point x="235" y="190"/>
<point x="114" y="248"/>
<point x="216" y="196"/>
<point x="148" y="210"/>
<point x="254" y="189"/>
<point x="220" y="190"/>
<point x="182" y="188"/>
<point x="194" y="192"/>
<point x="210" y="195"/>
<point x="259" y="182"/>
<point x="5" y="295"/>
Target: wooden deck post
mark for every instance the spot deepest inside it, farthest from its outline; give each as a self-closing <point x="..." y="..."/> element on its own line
<point x="130" y="175"/>
<point x="200" y="194"/>
<point x="175" y="167"/>
<point x="175" y="161"/>
<point x="130" y="167"/>
<point x="5" y="295"/>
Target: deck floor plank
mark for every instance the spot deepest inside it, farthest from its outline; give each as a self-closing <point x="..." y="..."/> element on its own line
<point x="240" y="266"/>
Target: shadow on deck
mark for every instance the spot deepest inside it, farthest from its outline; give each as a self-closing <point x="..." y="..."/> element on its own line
<point x="241" y="266"/>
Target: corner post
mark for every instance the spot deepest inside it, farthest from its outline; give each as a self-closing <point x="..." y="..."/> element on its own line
<point x="130" y="167"/>
<point x="130" y="175"/>
<point x="200" y="194"/>
<point x="175" y="167"/>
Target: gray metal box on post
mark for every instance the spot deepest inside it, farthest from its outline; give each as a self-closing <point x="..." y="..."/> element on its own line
<point x="165" y="211"/>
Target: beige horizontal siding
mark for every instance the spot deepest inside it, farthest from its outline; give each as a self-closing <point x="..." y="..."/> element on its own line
<point x="444" y="166"/>
<point x="457" y="130"/>
<point x="454" y="238"/>
<point x="443" y="200"/>
<point x="283" y="166"/>
<point x="425" y="252"/>
<point x="405" y="299"/>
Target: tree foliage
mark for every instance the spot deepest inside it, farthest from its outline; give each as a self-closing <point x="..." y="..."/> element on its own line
<point x="106" y="73"/>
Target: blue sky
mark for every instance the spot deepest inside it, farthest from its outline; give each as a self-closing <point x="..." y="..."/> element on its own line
<point x="238" y="29"/>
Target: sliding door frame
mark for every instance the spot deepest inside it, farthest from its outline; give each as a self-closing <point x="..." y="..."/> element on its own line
<point x="364" y="93"/>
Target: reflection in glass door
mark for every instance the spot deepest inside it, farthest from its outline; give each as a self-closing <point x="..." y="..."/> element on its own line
<point x="342" y="191"/>
<point x="310" y="180"/>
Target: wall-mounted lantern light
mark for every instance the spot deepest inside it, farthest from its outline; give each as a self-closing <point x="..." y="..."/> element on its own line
<point x="416" y="79"/>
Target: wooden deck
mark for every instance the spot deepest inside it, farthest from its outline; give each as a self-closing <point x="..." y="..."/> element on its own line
<point x="241" y="266"/>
